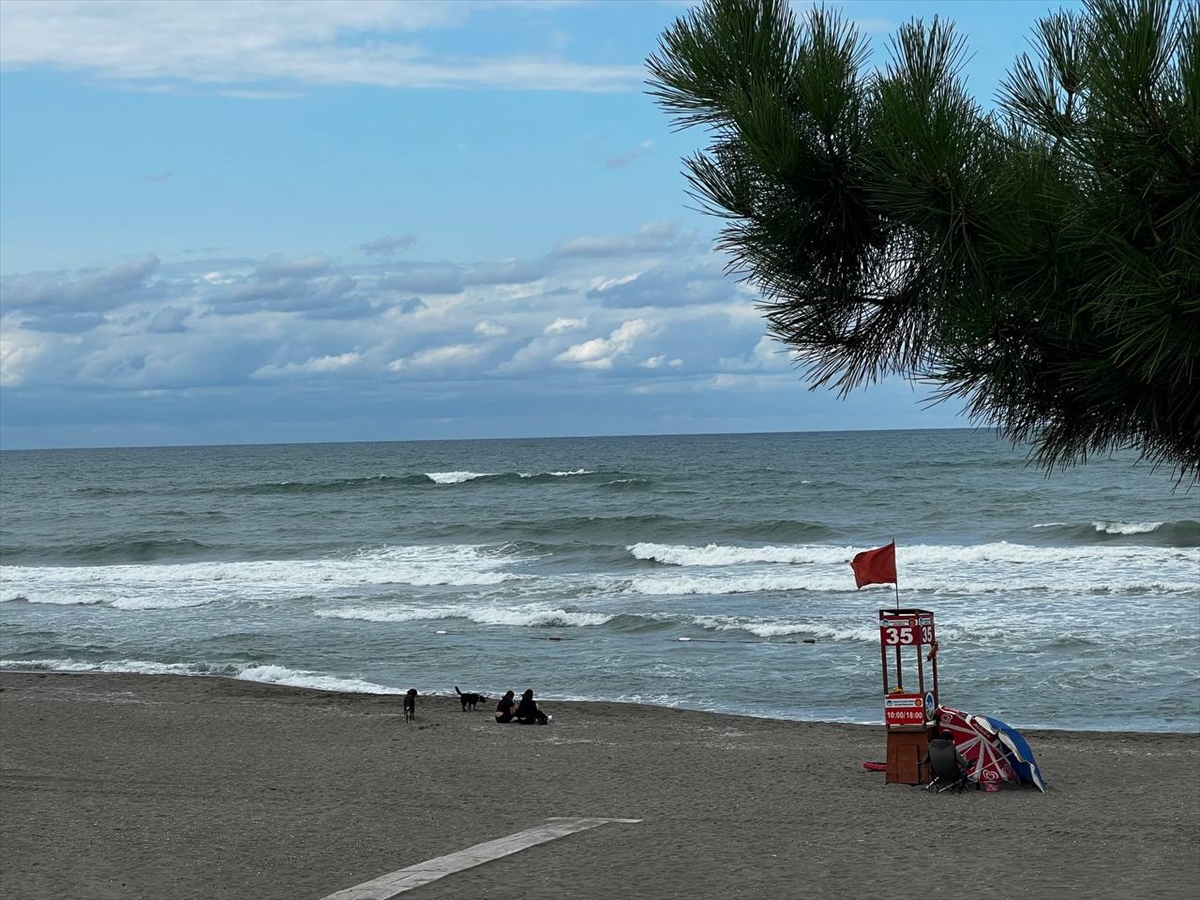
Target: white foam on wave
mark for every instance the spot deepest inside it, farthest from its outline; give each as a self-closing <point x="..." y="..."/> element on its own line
<point x="997" y="583"/>
<point x="993" y="568"/>
<point x="454" y="564"/>
<point x="116" y="666"/>
<point x="767" y="627"/>
<point x="159" y="602"/>
<point x="820" y="631"/>
<point x="388" y="614"/>
<point x="526" y="617"/>
<point x="668" y="585"/>
<point x="1126" y="527"/>
<point x="529" y="615"/>
<point x="305" y="679"/>
<point x="906" y="554"/>
<point x="456" y="477"/>
<point x="76" y="599"/>
<point x="717" y="555"/>
<point x="461" y="477"/>
<point x="180" y="585"/>
<point x="265" y="674"/>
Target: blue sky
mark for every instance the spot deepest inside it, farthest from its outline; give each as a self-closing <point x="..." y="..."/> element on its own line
<point x="299" y="221"/>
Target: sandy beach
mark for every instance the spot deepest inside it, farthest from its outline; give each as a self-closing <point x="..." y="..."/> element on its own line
<point x="115" y="786"/>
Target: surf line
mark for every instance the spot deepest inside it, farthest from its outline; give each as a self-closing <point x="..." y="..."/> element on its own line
<point x="406" y="879"/>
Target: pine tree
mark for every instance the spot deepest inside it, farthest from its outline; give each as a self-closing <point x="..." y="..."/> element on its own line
<point x="1038" y="260"/>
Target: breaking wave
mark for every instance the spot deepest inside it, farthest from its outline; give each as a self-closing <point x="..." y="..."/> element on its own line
<point x="1181" y="533"/>
<point x="263" y="674"/>
<point x="529" y="616"/>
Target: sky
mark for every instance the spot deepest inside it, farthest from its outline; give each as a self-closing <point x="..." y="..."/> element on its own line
<point x="262" y="222"/>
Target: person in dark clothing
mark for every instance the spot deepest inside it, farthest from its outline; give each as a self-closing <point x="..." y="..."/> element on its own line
<point x="506" y="709"/>
<point x="528" y="712"/>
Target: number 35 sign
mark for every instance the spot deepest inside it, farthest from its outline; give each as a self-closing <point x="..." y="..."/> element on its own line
<point x="905" y="631"/>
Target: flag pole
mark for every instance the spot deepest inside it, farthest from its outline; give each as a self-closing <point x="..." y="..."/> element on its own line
<point x="896" y="583"/>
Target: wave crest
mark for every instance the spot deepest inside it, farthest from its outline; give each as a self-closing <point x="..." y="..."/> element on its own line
<point x="528" y="616"/>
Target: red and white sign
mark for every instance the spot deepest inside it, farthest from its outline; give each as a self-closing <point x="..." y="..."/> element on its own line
<point x="906" y="631"/>
<point x="904" y="709"/>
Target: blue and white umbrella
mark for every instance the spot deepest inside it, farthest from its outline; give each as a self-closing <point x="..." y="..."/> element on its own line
<point x="1016" y="748"/>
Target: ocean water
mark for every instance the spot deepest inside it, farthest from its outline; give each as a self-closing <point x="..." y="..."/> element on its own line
<point x="707" y="572"/>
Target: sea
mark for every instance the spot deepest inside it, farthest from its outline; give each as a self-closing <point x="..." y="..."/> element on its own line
<point x="706" y="572"/>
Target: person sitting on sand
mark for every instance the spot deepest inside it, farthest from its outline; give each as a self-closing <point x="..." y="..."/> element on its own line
<point x="506" y="709"/>
<point x="528" y="712"/>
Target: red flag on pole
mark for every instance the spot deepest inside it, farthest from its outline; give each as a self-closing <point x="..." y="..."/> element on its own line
<point x="875" y="566"/>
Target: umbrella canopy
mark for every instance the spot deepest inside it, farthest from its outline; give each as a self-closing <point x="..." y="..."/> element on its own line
<point x="987" y="756"/>
<point x="1020" y="756"/>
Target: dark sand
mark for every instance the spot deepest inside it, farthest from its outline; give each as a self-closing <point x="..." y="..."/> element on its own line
<point x="163" y="788"/>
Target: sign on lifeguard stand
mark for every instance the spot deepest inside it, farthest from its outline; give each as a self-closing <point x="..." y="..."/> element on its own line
<point x="907" y="641"/>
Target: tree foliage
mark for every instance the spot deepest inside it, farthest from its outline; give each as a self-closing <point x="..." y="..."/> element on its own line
<point x="1039" y="260"/>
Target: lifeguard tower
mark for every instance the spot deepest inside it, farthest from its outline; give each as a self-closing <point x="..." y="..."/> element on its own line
<point x="907" y="641"/>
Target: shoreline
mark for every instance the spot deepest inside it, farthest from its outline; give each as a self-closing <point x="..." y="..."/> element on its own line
<point x="153" y="787"/>
<point x="398" y="694"/>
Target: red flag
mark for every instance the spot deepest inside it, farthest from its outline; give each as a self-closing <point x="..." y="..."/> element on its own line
<point x="875" y="566"/>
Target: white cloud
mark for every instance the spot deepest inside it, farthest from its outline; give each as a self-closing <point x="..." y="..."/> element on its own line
<point x="437" y="358"/>
<point x="315" y="366"/>
<point x="54" y="302"/>
<point x="630" y="331"/>
<point x="594" y="354"/>
<point x="490" y="329"/>
<point x="657" y="362"/>
<point x="19" y="350"/>
<point x="281" y="317"/>
<point x="295" y="42"/>
<point x="607" y="284"/>
<point x="768" y="355"/>
<point x="558" y="326"/>
<point x="601" y="353"/>
<point x="164" y="331"/>
<point x="665" y="286"/>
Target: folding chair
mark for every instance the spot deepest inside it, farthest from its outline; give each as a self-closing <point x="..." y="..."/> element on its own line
<point x="948" y="767"/>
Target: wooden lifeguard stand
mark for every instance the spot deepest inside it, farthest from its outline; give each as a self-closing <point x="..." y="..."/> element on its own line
<point x="907" y="641"/>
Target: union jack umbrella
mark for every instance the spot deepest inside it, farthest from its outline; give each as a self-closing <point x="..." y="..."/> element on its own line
<point x="979" y="747"/>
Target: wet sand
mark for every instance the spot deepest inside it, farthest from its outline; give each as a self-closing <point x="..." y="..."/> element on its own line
<point x="162" y="788"/>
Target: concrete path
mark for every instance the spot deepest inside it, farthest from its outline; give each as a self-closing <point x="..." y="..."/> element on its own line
<point x="406" y="879"/>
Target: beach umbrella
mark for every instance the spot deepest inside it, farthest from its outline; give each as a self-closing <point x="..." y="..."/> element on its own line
<point x="986" y="754"/>
<point x="1020" y="756"/>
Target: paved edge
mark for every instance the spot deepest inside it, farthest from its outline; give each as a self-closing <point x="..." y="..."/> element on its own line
<point x="414" y="876"/>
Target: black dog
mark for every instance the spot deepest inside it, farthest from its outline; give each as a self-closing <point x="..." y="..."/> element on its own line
<point x="469" y="700"/>
<point x="410" y="705"/>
